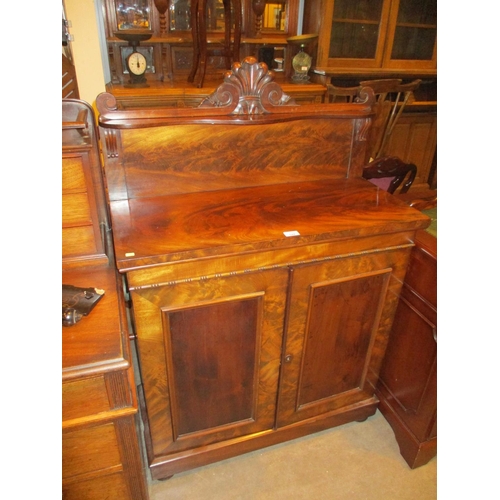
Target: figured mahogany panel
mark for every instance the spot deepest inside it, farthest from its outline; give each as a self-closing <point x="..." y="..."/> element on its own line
<point x="213" y="372"/>
<point x="342" y="317"/>
<point x="190" y="158"/>
<point x="337" y="332"/>
<point x="170" y="228"/>
<point x="210" y="352"/>
<point x="248" y="132"/>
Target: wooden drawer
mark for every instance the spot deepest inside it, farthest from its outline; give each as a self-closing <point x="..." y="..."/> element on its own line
<point x="112" y="487"/>
<point x="84" y="398"/>
<point x="89" y="450"/>
<point x="73" y="177"/>
<point x="76" y="209"/>
<point x="78" y="241"/>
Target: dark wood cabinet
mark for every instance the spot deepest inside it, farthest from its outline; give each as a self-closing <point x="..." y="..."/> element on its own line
<point x="263" y="284"/>
<point x="408" y="379"/>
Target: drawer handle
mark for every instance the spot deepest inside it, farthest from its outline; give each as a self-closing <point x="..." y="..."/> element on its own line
<point x="288" y="358"/>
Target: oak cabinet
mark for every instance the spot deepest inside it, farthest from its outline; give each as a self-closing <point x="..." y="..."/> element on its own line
<point x="390" y="34"/>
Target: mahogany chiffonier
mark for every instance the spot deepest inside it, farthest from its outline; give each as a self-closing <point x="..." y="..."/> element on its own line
<point x="263" y="271"/>
<point x="101" y="457"/>
<point x="407" y="387"/>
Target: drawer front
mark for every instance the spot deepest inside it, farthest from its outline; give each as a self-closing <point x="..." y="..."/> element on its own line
<point x="89" y="450"/>
<point x="84" y="398"/>
<point x="78" y="241"/>
<point x="76" y="209"/>
<point x="73" y="177"/>
<point x="81" y="231"/>
<point x="111" y="487"/>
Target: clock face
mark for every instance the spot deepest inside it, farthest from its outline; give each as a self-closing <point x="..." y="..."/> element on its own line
<point x="136" y="63"/>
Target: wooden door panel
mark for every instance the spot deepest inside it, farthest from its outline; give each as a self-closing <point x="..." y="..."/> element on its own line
<point x="213" y="383"/>
<point x="340" y="322"/>
<point x="339" y="332"/>
<point x="210" y="353"/>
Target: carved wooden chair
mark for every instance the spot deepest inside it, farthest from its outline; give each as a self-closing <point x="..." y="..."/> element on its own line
<point x="230" y="48"/>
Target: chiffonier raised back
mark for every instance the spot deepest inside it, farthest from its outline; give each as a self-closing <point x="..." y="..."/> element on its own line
<point x="247" y="133"/>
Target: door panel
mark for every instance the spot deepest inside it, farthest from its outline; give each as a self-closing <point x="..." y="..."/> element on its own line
<point x="210" y="353"/>
<point x="336" y="333"/>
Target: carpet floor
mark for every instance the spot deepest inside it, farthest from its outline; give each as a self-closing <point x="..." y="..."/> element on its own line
<point x="355" y="461"/>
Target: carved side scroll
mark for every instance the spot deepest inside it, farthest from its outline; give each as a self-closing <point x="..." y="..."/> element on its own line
<point x="251" y="84"/>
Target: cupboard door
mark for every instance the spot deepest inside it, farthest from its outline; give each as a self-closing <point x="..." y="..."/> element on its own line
<point x="412" y="33"/>
<point x="210" y="354"/>
<point x="355" y="36"/>
<point x="336" y="333"/>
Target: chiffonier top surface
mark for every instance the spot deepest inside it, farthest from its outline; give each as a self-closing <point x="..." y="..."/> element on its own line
<point x="171" y="228"/>
<point x="97" y="342"/>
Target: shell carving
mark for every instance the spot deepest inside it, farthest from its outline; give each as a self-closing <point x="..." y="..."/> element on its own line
<point x="251" y="85"/>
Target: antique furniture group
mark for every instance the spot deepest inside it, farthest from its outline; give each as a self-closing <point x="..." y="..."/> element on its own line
<point x="262" y="274"/>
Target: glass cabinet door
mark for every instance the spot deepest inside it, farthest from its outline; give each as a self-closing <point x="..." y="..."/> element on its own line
<point x="133" y="15"/>
<point x="369" y="34"/>
<point x="357" y="33"/>
<point x="412" y="34"/>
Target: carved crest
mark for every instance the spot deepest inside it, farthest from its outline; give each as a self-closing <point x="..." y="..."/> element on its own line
<point x="249" y="84"/>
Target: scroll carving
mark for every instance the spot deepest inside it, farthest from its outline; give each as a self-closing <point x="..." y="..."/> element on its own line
<point x="106" y="102"/>
<point x="250" y="84"/>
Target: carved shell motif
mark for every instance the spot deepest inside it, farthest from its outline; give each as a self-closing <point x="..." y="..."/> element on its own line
<point x="251" y="84"/>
